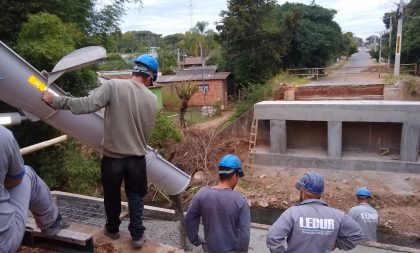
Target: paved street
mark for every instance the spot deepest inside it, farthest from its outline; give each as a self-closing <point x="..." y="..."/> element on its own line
<point x="354" y="71"/>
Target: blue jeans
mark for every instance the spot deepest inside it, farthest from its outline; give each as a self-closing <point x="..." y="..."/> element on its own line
<point x="133" y="170"/>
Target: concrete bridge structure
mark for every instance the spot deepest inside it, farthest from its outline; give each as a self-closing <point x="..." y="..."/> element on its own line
<point x="344" y="134"/>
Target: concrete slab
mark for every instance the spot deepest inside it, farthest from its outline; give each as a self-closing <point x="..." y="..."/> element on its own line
<point x="339" y="110"/>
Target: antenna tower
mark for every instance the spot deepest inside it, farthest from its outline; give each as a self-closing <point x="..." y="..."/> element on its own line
<point x="191" y="14"/>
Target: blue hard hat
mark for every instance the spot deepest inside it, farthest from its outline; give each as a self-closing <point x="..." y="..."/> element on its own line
<point x="150" y="62"/>
<point x="232" y="162"/>
<point x="363" y="192"/>
<point x="312" y="182"/>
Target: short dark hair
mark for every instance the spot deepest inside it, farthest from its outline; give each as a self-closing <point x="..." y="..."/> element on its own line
<point x="225" y="177"/>
<point x="145" y="76"/>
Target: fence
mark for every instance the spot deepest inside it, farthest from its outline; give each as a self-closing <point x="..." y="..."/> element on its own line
<point x="307" y="72"/>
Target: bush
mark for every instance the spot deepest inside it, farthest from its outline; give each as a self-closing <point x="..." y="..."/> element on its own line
<point x="71" y="168"/>
<point x="251" y="94"/>
<point x="165" y="131"/>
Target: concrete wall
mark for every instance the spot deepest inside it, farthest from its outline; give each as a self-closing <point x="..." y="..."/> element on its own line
<point x="369" y="137"/>
<point x="306" y="134"/>
<point x="241" y="128"/>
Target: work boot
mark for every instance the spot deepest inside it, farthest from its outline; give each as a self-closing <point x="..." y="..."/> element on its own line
<point x="138" y="244"/>
<point x="113" y="236"/>
<point x="59" y="223"/>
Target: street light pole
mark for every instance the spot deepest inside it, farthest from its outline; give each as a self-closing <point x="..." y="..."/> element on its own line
<point x="399" y="39"/>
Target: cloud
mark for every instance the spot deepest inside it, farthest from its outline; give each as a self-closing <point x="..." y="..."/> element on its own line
<point x="362" y="17"/>
<point x="169" y="16"/>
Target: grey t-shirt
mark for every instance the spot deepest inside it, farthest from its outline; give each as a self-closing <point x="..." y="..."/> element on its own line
<point x="226" y="220"/>
<point x="130" y="113"/>
<point x="368" y="219"/>
<point x="313" y="226"/>
<point x="11" y="165"/>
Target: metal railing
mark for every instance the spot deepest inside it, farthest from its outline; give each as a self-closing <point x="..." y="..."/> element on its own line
<point x="307" y="72"/>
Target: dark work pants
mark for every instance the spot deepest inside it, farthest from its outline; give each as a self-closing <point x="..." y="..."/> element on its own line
<point x="133" y="170"/>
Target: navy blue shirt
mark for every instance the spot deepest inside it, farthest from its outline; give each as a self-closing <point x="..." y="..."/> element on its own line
<point x="226" y="220"/>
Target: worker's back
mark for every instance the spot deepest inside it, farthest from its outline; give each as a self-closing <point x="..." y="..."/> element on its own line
<point x="225" y="213"/>
<point x="313" y="226"/>
<point x="368" y="219"/>
<point x="129" y="118"/>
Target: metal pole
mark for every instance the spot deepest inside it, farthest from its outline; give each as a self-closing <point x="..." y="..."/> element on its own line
<point x="13" y="118"/>
<point x="389" y="42"/>
<point x="399" y="39"/>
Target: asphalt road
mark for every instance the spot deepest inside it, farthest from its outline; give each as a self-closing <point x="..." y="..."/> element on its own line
<point x="353" y="72"/>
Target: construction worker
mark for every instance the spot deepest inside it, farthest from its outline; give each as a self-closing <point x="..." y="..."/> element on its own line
<point x="313" y="226"/>
<point x="130" y="113"/>
<point x="21" y="190"/>
<point x="364" y="214"/>
<point x="225" y="213"/>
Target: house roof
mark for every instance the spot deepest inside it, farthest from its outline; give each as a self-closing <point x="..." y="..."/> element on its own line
<point x="120" y="74"/>
<point x="197" y="70"/>
<point x="193" y="77"/>
<point x="191" y="61"/>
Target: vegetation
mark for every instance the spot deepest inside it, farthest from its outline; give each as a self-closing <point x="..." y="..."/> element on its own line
<point x="185" y="91"/>
<point x="410" y="47"/>
<point x="165" y="131"/>
<point x="260" y="38"/>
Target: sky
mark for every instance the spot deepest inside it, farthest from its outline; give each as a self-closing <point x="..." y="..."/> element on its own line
<point x="362" y="17"/>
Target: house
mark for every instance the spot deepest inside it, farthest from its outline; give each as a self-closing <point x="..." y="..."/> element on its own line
<point x="213" y="88"/>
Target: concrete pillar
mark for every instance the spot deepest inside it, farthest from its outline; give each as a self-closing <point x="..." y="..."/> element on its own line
<point x="410" y="142"/>
<point x="335" y="135"/>
<point x="278" y="136"/>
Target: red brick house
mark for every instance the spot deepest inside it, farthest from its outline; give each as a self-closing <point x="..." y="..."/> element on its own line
<point x="215" y="84"/>
<point x="214" y="87"/>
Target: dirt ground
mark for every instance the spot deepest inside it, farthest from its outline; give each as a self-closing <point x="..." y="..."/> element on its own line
<point x="396" y="195"/>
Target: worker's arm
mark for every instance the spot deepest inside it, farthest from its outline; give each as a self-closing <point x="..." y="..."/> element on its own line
<point x="350" y="234"/>
<point x="16" y="167"/>
<point x="98" y="99"/>
<point x="244" y="228"/>
<point x="277" y="234"/>
<point x="192" y="222"/>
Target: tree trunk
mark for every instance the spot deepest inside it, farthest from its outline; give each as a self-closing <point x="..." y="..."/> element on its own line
<point x="182" y="111"/>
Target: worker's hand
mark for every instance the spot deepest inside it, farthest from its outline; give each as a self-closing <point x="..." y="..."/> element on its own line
<point x="47" y="97"/>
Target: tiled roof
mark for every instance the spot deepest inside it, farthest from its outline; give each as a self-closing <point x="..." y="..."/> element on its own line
<point x="193" y="77"/>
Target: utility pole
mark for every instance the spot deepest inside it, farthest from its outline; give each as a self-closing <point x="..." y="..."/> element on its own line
<point x="389" y="45"/>
<point x="380" y="47"/>
<point x="375" y="46"/>
<point x="399" y="39"/>
<point x="202" y="76"/>
<point x="178" y="58"/>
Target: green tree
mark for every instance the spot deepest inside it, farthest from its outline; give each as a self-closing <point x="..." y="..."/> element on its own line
<point x="350" y="44"/>
<point x="314" y="38"/>
<point x="185" y="91"/>
<point x="167" y="60"/>
<point x="253" y="43"/>
<point x="45" y="39"/>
